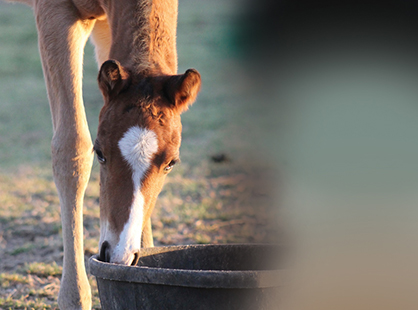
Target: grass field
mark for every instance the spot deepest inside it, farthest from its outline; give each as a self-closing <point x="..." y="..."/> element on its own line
<point x="202" y="201"/>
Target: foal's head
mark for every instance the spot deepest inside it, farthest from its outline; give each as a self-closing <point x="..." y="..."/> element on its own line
<point x="137" y="145"/>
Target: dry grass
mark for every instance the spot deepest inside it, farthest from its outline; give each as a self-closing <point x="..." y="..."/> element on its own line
<point x="216" y="209"/>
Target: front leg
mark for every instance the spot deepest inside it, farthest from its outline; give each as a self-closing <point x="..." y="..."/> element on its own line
<point x="62" y="37"/>
<point x="147" y="240"/>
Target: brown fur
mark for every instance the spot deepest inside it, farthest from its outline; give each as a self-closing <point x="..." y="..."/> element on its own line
<point x="151" y="102"/>
<point x="141" y="36"/>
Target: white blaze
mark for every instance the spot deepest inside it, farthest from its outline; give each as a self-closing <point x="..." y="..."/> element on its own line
<point x="138" y="146"/>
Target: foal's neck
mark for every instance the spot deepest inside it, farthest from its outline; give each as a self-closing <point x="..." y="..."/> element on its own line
<point x="144" y="35"/>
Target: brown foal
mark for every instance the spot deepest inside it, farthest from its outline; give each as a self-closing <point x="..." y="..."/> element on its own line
<point x="139" y="131"/>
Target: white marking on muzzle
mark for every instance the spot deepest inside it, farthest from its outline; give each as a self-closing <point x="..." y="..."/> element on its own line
<point x="138" y="146"/>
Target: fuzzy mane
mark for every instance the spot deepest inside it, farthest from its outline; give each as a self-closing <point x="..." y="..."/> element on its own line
<point x="154" y="41"/>
<point x="142" y="36"/>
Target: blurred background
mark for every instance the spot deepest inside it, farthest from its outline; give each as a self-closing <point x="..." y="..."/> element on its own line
<point x="338" y="85"/>
<point x="219" y="193"/>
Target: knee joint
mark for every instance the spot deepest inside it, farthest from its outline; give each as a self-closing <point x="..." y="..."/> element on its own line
<point x="71" y="157"/>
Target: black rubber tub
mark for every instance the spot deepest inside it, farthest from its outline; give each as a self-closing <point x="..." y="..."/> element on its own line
<point x="237" y="276"/>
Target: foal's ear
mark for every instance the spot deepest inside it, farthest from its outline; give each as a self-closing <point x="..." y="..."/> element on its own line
<point x="112" y="78"/>
<point x="182" y="89"/>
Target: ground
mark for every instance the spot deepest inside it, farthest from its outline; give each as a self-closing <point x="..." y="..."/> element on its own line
<point x="217" y="195"/>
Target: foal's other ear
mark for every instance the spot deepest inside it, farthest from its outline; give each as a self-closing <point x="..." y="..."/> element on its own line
<point x="182" y="89"/>
<point x="112" y="78"/>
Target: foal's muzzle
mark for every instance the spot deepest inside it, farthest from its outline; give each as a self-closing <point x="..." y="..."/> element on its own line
<point x="105" y="254"/>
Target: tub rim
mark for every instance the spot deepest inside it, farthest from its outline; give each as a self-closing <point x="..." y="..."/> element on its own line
<point x="234" y="279"/>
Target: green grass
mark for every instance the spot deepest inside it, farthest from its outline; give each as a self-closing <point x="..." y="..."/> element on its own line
<point x="201" y="202"/>
<point x="8" y="279"/>
<point x="21" y="303"/>
<point x="42" y="269"/>
<point x="23" y="249"/>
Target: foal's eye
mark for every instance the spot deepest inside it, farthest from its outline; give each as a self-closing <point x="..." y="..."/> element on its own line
<point x="170" y="165"/>
<point x="100" y="157"/>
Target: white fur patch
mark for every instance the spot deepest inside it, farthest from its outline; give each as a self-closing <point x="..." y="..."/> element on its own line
<point x="138" y="146"/>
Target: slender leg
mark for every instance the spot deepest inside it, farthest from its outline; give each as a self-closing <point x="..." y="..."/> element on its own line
<point x="101" y="37"/>
<point x="62" y="37"/>
<point x="147" y="240"/>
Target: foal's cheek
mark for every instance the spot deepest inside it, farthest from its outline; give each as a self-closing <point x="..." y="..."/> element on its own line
<point x="103" y="175"/>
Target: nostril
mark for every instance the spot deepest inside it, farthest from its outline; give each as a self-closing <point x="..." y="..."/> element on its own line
<point x="136" y="259"/>
<point x="104" y="252"/>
